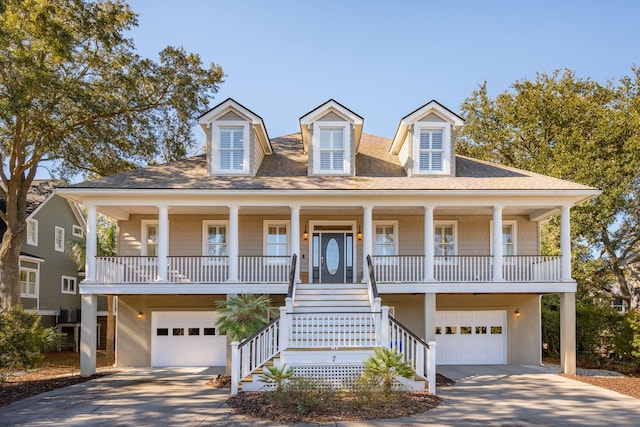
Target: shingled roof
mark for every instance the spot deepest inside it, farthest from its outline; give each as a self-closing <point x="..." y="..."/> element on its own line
<point x="286" y="169"/>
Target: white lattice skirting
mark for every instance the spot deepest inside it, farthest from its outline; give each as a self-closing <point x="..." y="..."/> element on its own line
<point x="330" y="376"/>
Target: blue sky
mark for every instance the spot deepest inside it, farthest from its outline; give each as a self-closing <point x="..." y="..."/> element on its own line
<point x="384" y="59"/>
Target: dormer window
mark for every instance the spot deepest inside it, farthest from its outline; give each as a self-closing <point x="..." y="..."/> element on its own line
<point x="332" y="149"/>
<point x="231" y="149"/>
<point x="432" y="148"/>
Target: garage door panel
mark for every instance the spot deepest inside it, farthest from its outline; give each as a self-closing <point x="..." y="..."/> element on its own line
<point x="471" y="337"/>
<point x="186" y="339"/>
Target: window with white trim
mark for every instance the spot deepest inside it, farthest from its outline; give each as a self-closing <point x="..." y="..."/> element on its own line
<point x="386" y="238"/>
<point x="58" y="239"/>
<point x="432" y="148"/>
<point x="276" y="238"/>
<point x="68" y="285"/>
<point x="214" y="238"/>
<point x="149" y="245"/>
<point x="28" y="282"/>
<point x="77" y="231"/>
<point x="332" y="149"/>
<point x="445" y="238"/>
<point x="509" y="237"/>
<point x="231" y="149"/>
<point x="32" y="232"/>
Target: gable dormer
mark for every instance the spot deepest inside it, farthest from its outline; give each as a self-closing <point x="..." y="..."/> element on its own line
<point x="425" y="140"/>
<point x="237" y="139"/>
<point x="331" y="137"/>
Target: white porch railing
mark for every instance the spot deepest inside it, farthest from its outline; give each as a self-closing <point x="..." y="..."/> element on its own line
<point x="331" y="330"/>
<point x="207" y="269"/>
<point x="410" y="268"/>
<point x="254" y="352"/>
<point x="264" y="269"/>
<point x="130" y="269"/>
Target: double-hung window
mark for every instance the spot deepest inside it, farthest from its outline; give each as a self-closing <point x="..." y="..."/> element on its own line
<point x="445" y="236"/>
<point x="509" y="238"/>
<point x="386" y="238"/>
<point x="215" y="238"/>
<point x="58" y="239"/>
<point x="231" y="149"/>
<point x="276" y="241"/>
<point x="32" y="232"/>
<point x="28" y="282"/>
<point x="149" y="238"/>
<point x="332" y="151"/>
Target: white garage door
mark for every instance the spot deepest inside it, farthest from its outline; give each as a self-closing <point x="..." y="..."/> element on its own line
<point x="187" y="338"/>
<point x="471" y="337"/>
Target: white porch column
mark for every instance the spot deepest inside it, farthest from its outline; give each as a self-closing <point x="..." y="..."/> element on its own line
<point x="430" y="317"/>
<point x="367" y="239"/>
<point x="232" y="244"/>
<point x="163" y="242"/>
<point x="92" y="243"/>
<point x="568" y="332"/>
<point x="565" y="243"/>
<point x="497" y="243"/>
<point x="429" y="244"/>
<point x="295" y="238"/>
<point x="88" y="335"/>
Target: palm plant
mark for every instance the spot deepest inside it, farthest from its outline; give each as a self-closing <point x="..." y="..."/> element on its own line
<point x="385" y="365"/>
<point x="277" y="375"/>
<point x="243" y="315"/>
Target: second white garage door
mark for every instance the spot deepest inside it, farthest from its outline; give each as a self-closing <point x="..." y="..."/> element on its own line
<point x="187" y="338"/>
<point x="471" y="337"/>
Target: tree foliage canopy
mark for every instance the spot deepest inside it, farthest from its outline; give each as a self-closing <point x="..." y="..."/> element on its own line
<point x="575" y="129"/>
<point x="74" y="92"/>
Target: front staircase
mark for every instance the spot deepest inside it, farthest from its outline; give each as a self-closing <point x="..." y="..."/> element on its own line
<point x="327" y="331"/>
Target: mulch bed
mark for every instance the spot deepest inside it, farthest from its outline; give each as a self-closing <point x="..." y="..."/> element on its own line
<point x="624" y="385"/>
<point x="342" y="408"/>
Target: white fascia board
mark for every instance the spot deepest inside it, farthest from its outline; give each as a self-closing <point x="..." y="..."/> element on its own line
<point x="44" y="202"/>
<point x="77" y="213"/>
<point x="182" y="288"/>
<point x="321" y="110"/>
<point x="478" y="288"/>
<point x="31" y="259"/>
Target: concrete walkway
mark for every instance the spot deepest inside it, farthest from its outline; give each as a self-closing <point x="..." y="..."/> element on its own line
<point x="483" y="395"/>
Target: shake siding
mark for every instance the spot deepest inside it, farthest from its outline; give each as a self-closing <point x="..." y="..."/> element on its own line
<point x="431" y="117"/>
<point x="231" y="116"/>
<point x="258" y="154"/>
<point x="405" y="153"/>
<point x="186" y="234"/>
<point x="331" y="117"/>
<point x="55" y="212"/>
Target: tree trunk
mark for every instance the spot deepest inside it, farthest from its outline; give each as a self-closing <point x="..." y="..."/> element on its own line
<point x="618" y="273"/>
<point x="111" y="332"/>
<point x="15" y="219"/>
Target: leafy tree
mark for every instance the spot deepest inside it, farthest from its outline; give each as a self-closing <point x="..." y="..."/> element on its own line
<point x="385" y="365"/>
<point x="22" y="337"/>
<point x="107" y="235"/>
<point x="243" y="315"/>
<point x="74" y="93"/>
<point x="575" y="129"/>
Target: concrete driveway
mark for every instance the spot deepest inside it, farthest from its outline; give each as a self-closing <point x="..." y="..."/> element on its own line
<point x="483" y="395"/>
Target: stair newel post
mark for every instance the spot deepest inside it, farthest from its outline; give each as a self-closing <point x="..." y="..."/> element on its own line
<point x="384" y="327"/>
<point x="288" y="304"/>
<point x="235" y="367"/>
<point x="284" y="328"/>
<point x="431" y="366"/>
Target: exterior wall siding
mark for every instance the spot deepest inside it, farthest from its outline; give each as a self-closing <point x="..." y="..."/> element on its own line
<point x="56" y="212"/>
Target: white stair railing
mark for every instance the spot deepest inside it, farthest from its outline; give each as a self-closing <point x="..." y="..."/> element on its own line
<point x="254" y="352"/>
<point x="412" y="348"/>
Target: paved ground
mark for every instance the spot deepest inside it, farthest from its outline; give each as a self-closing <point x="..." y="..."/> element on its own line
<point x="494" y="396"/>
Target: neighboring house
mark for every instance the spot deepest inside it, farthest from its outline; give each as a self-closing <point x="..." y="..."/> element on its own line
<point x="454" y="244"/>
<point x="49" y="278"/>
<point x="631" y="267"/>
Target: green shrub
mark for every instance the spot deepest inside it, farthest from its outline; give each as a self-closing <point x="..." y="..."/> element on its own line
<point x="22" y="337"/>
<point x="385" y="365"/>
<point x="278" y="376"/>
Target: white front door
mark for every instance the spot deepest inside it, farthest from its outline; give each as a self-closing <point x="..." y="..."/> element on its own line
<point x="187" y="338"/>
<point x="471" y="337"/>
